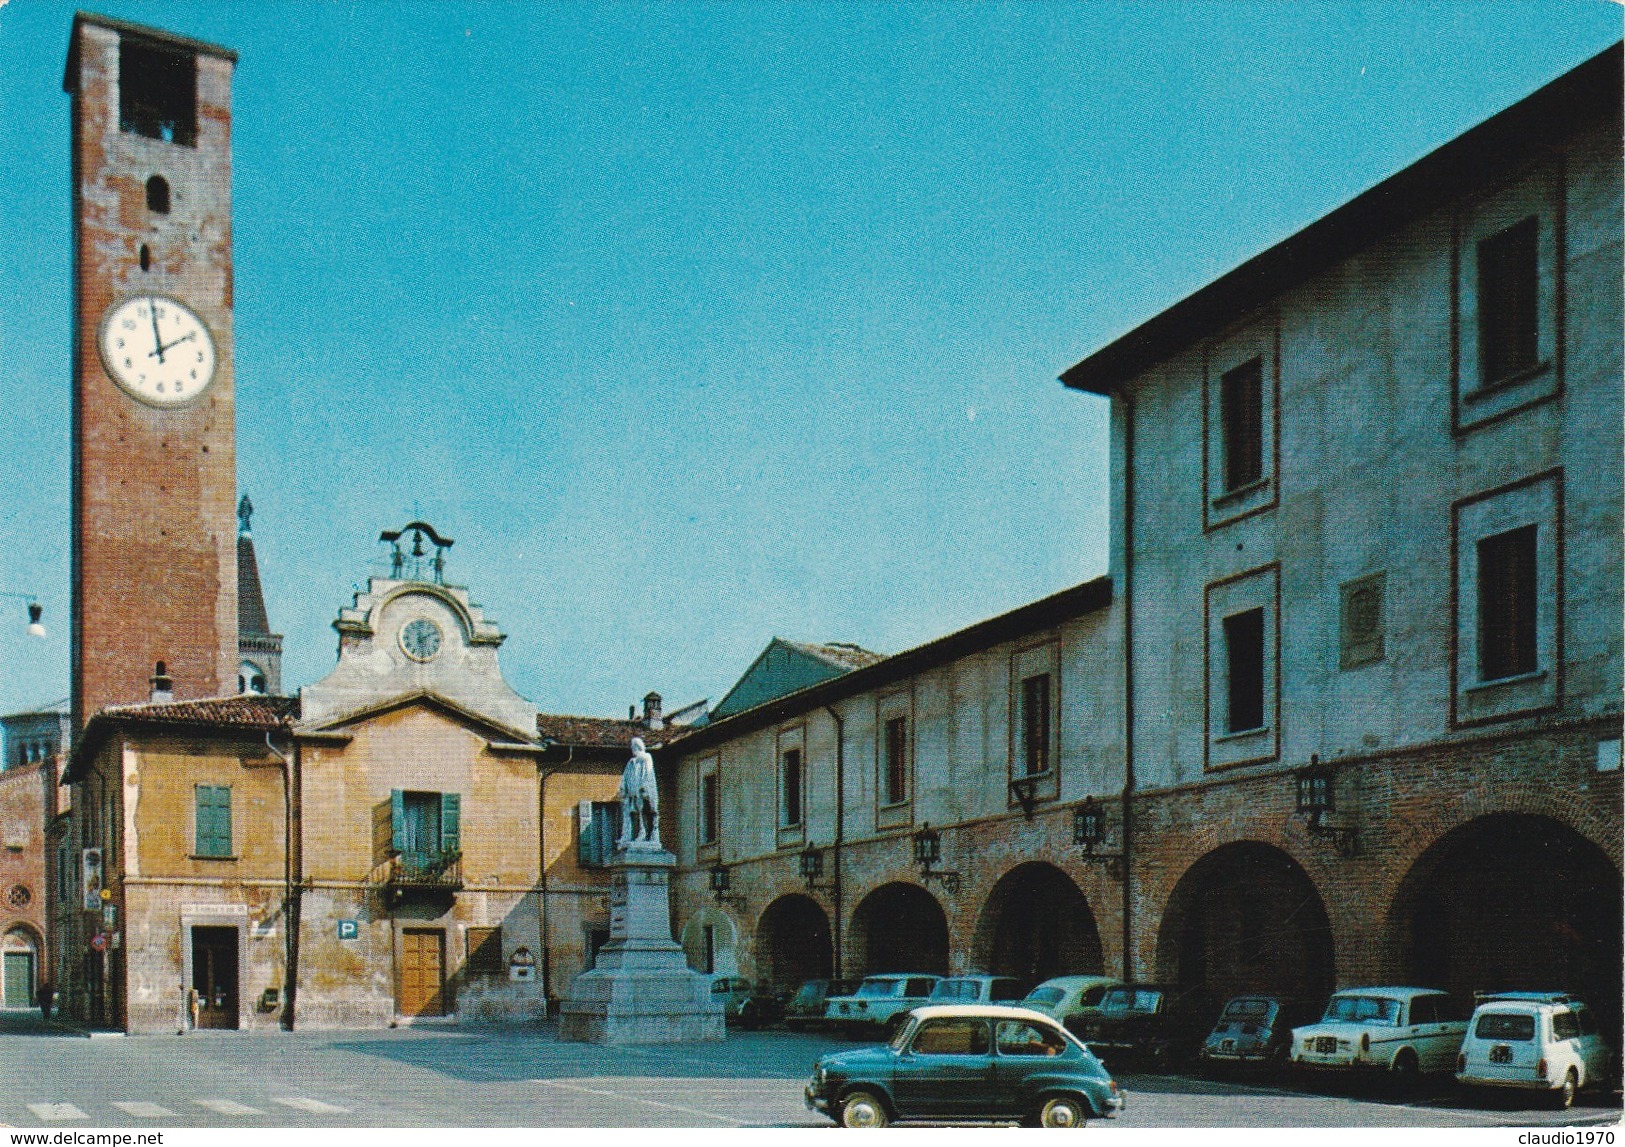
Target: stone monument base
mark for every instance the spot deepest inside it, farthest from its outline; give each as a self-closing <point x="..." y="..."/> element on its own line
<point x="641" y="990"/>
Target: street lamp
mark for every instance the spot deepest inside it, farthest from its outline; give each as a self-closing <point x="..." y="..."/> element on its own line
<point x="36" y="627"/>
<point x="719" y="887"/>
<point x="1089" y="833"/>
<point x="1316" y="787"/>
<point x="928" y="852"/>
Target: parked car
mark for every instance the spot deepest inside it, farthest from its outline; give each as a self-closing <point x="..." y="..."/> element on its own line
<point x="967" y="1062"/>
<point x="762" y="1007"/>
<point x="730" y="992"/>
<point x="1255" y="1030"/>
<point x="1402" y="1031"/>
<point x="805" y="1009"/>
<point x="977" y="990"/>
<point x="1066" y="997"/>
<point x="1538" y="1041"/>
<point x="1155" y="1025"/>
<point x="878" y="999"/>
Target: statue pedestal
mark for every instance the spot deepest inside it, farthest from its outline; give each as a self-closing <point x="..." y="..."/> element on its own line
<point x="642" y="989"/>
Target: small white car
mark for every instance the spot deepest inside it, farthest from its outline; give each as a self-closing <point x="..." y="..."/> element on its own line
<point x="1401" y="1031"/>
<point x="1068" y="996"/>
<point x="879" y="1000"/>
<point x="1539" y="1041"/>
<point x="976" y="990"/>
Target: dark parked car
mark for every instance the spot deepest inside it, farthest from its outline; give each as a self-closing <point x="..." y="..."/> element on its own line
<point x="805" y="1010"/>
<point x="967" y="1062"/>
<point x="762" y="1008"/>
<point x="1150" y="1025"/>
<point x="1255" y="1030"/>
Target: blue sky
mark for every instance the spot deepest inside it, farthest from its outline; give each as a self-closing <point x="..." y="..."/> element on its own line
<point x="700" y="323"/>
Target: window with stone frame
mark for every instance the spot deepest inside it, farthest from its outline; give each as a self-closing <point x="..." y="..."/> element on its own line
<point x="790" y="782"/>
<point x="1035" y="724"/>
<point x="1241" y="410"/>
<point x="895" y="760"/>
<point x="1244" y="656"/>
<point x="1506" y="604"/>
<point x="707" y="819"/>
<point x="1509" y="302"/>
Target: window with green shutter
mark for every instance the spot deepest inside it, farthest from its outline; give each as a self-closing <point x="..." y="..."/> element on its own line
<point x="213" y="820"/>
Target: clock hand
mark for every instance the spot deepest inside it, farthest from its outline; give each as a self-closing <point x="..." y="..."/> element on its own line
<point x="177" y="342"/>
<point x="157" y="339"/>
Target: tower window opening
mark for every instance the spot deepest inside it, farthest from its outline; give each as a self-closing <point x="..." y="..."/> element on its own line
<point x="158" y="195"/>
<point x="157" y="92"/>
<point x="146" y="257"/>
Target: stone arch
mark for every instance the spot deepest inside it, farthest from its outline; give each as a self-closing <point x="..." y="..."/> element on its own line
<point x="1511" y="901"/>
<point x="793" y="942"/>
<point x="899" y="927"/>
<point x="711" y="942"/>
<point x="1246" y="917"/>
<point x="22" y="954"/>
<point x="1036" y="924"/>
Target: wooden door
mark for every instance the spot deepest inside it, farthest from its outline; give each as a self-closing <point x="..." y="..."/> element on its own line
<point x="19" y="979"/>
<point x="214" y="975"/>
<point x="423" y="980"/>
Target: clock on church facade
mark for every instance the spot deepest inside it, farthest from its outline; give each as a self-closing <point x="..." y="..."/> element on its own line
<point x="155" y="545"/>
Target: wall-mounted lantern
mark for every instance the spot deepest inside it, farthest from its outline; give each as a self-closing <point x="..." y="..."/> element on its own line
<point x="928" y="853"/>
<point x="1089" y="833"/>
<point x="720" y="881"/>
<point x="812" y="866"/>
<point x="1024" y="791"/>
<point x="1316" y="787"/>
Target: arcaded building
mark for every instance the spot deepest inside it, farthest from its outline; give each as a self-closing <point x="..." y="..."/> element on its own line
<point x="1346" y="708"/>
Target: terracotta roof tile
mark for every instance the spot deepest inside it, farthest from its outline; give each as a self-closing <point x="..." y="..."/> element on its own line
<point x="601" y="732"/>
<point x="246" y="711"/>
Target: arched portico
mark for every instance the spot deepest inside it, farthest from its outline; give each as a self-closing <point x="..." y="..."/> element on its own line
<point x="1247" y="918"/>
<point x="1512" y="901"/>
<point x="899" y="928"/>
<point x="1036" y="924"/>
<point x="793" y="942"/>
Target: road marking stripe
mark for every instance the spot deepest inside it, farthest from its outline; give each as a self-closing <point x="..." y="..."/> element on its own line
<point x="314" y="1106"/>
<point x="622" y="1097"/>
<point x="227" y="1107"/>
<point x="54" y="1111"/>
<point x="144" y="1110"/>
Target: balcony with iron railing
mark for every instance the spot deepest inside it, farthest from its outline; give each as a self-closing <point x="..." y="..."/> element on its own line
<point x="406" y="875"/>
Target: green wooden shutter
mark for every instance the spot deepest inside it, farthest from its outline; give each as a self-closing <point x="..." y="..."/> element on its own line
<point x="213" y="820"/>
<point x="397" y="820"/>
<point x="451" y="805"/>
<point x="383" y="838"/>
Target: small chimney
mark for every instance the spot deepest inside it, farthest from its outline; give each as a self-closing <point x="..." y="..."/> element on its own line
<point x="651" y="712"/>
<point x="163" y="689"/>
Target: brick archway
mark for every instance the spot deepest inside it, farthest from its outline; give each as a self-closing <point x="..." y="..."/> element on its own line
<point x="1246" y="917"/>
<point x="899" y="927"/>
<point x="792" y="942"/>
<point x="1510" y="901"/>
<point x="1036" y="924"/>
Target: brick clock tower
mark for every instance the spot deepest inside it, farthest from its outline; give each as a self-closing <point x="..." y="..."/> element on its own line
<point x="154" y="457"/>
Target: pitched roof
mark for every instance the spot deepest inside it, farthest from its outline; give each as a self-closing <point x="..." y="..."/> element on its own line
<point x="1476" y="158"/>
<point x="600" y="732"/>
<point x="842" y="654"/>
<point x="244" y="713"/>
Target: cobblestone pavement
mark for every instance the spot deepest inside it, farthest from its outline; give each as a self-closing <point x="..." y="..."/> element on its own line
<point x="461" y="1077"/>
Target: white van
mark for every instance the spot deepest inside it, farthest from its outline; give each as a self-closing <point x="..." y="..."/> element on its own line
<point x="1539" y="1041"/>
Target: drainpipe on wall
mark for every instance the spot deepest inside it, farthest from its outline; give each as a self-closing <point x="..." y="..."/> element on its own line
<point x="541" y="869"/>
<point x="292" y="876"/>
<point x="1128" y="685"/>
<point x="840" y="835"/>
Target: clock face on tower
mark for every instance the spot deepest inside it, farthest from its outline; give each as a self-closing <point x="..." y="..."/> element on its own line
<point x="157" y="350"/>
<point x="420" y="639"/>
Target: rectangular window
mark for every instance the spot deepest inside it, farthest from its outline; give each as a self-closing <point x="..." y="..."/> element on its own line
<point x="213" y="820"/>
<point x="1508" y="302"/>
<point x="791" y="812"/>
<point x="599" y="830"/>
<point x="485" y="952"/>
<point x="1035" y="724"/>
<point x="1241" y="409"/>
<point x="157" y="92"/>
<point x="1506" y="604"/>
<point x="1244" y="658"/>
<point x="896" y="760"/>
<point x="708" y="808"/>
<point x="425" y="828"/>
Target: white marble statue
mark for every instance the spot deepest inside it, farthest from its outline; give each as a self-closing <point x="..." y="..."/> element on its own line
<point x="640" y="804"/>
